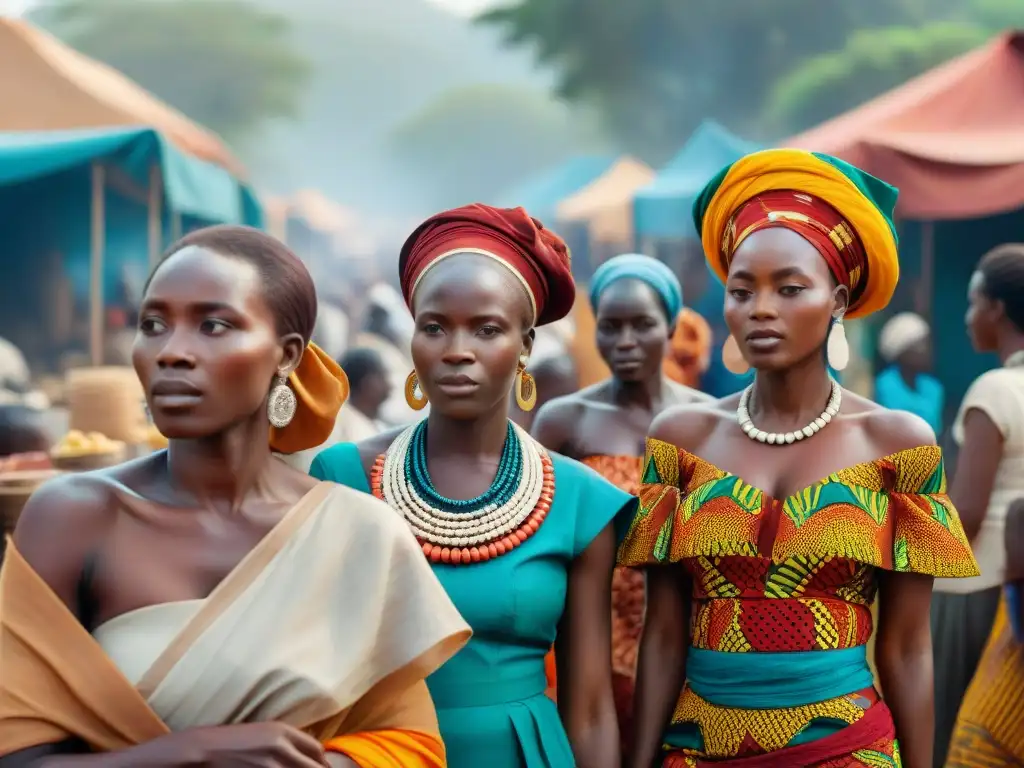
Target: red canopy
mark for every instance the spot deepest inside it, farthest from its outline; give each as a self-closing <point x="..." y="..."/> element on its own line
<point x="952" y="139"/>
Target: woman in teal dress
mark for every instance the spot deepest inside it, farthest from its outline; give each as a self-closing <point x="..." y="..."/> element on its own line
<point x="522" y="539"/>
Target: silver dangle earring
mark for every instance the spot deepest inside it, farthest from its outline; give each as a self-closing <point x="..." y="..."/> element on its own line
<point x="281" y="404"/>
<point x="837" y="348"/>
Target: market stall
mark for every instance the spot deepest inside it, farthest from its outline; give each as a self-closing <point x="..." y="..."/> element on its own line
<point x="85" y="211"/>
<point x="952" y="141"/>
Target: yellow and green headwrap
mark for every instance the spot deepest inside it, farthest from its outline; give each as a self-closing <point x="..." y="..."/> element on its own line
<point x="845" y="213"/>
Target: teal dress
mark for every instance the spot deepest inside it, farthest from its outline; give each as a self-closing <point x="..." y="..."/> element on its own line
<point x="490" y="697"/>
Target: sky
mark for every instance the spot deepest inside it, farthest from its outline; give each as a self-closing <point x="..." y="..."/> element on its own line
<point x="460" y="7"/>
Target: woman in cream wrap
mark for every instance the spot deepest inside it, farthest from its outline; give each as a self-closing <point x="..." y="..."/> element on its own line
<point x="208" y="604"/>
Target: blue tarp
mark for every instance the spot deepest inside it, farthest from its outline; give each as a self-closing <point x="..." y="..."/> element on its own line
<point x="542" y="193"/>
<point x="192" y="187"/>
<point x="46" y="201"/>
<point x="662" y="208"/>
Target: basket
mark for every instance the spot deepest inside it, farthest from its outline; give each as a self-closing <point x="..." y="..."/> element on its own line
<point x="83" y="462"/>
<point x="15" y="488"/>
<point x="108" y="400"/>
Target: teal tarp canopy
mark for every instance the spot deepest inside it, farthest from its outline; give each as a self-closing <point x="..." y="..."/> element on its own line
<point x="542" y="193"/>
<point x="662" y="208"/>
<point x="192" y="187"/>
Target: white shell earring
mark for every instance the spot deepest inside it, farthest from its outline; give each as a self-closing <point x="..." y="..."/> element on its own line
<point x="281" y="404"/>
<point x="837" y="348"/>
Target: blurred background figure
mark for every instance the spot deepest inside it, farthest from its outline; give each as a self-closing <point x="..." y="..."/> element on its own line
<point x="907" y="383"/>
<point x="689" y="350"/>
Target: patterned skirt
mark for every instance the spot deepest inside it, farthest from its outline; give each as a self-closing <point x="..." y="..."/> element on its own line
<point x="852" y="730"/>
<point x="990" y="727"/>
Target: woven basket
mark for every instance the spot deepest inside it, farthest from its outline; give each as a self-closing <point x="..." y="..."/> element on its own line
<point x="84" y="462"/>
<point x="15" y="488"/>
<point x="109" y="400"/>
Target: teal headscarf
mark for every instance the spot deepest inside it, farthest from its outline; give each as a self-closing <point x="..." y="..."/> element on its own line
<point x="636" y="266"/>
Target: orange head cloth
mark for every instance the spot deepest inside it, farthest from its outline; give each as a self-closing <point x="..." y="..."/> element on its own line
<point x="689" y="350"/>
<point x="321" y="388"/>
<point x="510" y="236"/>
<point x="814" y="220"/>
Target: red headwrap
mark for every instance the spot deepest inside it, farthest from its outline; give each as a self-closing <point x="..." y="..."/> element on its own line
<point x="811" y="218"/>
<point x="537" y="256"/>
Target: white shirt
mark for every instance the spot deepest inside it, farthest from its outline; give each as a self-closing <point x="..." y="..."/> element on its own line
<point x="999" y="394"/>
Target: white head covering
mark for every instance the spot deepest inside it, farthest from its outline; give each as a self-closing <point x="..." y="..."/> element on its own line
<point x="900" y="333"/>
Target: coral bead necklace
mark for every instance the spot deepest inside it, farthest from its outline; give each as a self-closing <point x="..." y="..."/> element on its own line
<point x="464" y="531"/>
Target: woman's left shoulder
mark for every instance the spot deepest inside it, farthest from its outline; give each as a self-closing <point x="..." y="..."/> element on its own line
<point x="591" y="501"/>
<point x="890" y="431"/>
<point x="894" y="431"/>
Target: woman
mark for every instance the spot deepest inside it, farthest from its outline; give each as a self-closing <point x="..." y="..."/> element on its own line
<point x="775" y="515"/>
<point x="988" y="483"/>
<point x="689" y="351"/>
<point x="906" y="384"/>
<point x="521" y="539"/>
<point x="636" y="301"/>
<point x="148" y="612"/>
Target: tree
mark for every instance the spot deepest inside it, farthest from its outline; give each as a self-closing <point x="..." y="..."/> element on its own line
<point x="473" y="143"/>
<point x="656" y="68"/>
<point x="223" y="63"/>
<point x="872" y="62"/>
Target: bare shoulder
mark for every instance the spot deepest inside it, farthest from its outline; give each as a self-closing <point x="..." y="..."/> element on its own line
<point x="685" y="395"/>
<point x="373" y="447"/>
<point x="63" y="521"/>
<point x="553" y="425"/>
<point x="891" y="431"/>
<point x="689" y="426"/>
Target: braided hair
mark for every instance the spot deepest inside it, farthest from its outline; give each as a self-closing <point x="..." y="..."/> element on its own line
<point x="1002" y="270"/>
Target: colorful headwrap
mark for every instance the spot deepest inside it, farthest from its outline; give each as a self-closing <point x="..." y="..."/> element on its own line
<point x="510" y="236"/>
<point x="689" y="351"/>
<point x="321" y="388"/>
<point x="636" y="266"/>
<point x="844" y="212"/>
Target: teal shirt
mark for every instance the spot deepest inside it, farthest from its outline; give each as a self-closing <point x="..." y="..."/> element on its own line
<point x="490" y="697"/>
<point x="926" y="399"/>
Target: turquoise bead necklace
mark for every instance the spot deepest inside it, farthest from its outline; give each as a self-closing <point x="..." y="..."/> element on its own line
<point x="506" y="481"/>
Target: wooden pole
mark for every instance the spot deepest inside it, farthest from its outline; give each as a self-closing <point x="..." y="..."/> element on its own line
<point x="156" y="214"/>
<point x="98" y="246"/>
<point x="175" y="226"/>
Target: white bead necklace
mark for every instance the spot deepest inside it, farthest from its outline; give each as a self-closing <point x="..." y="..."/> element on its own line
<point x="462" y="529"/>
<point x="776" y="438"/>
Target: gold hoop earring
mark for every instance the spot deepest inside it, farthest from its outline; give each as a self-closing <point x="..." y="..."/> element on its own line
<point x="526" y="389"/>
<point x="732" y="358"/>
<point x="837" y="348"/>
<point x="414" y="394"/>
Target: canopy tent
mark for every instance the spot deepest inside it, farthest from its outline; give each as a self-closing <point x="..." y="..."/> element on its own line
<point x="99" y="206"/>
<point x="662" y="208"/>
<point x="48" y="86"/>
<point x="606" y="204"/>
<point x="541" y="194"/>
<point x="952" y="141"/>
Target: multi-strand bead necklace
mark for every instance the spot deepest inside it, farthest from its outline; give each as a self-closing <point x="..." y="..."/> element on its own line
<point x="466" y="531"/>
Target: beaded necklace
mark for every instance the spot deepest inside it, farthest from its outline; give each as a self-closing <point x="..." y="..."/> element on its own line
<point x="467" y="530"/>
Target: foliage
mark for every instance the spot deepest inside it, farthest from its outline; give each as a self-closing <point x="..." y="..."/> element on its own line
<point x="224" y="63"/>
<point x="656" y="68"/>
<point x="472" y="143"/>
<point x="872" y="61"/>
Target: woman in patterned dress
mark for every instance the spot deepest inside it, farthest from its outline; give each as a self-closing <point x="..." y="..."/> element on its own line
<point x="636" y="300"/>
<point x="521" y="539"/>
<point x="769" y="520"/>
